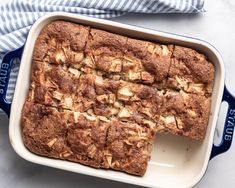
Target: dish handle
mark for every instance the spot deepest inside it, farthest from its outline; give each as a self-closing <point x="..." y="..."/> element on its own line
<point x="228" y="126"/>
<point x="5" y="71"/>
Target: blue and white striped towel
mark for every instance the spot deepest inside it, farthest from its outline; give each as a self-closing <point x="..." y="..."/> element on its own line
<point x="17" y="16"/>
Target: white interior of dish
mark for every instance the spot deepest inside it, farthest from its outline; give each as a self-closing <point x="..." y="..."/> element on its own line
<point x="176" y="161"/>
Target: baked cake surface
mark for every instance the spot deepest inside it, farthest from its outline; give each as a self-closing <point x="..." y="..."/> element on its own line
<point x="99" y="98"/>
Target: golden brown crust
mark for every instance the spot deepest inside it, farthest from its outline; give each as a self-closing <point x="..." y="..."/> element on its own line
<point x="61" y="42"/>
<point x="98" y="98"/>
<point x="191" y="72"/>
<point x="184" y="114"/>
<point x="91" y="140"/>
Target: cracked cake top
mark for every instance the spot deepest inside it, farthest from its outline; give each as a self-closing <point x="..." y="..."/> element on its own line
<point x="116" y="89"/>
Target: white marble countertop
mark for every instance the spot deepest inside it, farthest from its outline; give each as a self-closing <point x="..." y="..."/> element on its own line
<point x="217" y="26"/>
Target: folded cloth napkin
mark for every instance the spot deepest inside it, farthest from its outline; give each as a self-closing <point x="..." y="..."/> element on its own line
<point x="17" y="16"/>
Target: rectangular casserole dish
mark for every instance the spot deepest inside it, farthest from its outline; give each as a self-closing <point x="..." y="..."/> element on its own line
<point x="176" y="161"/>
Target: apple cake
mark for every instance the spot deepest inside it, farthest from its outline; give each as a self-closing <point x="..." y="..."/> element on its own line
<point x="99" y="98"/>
